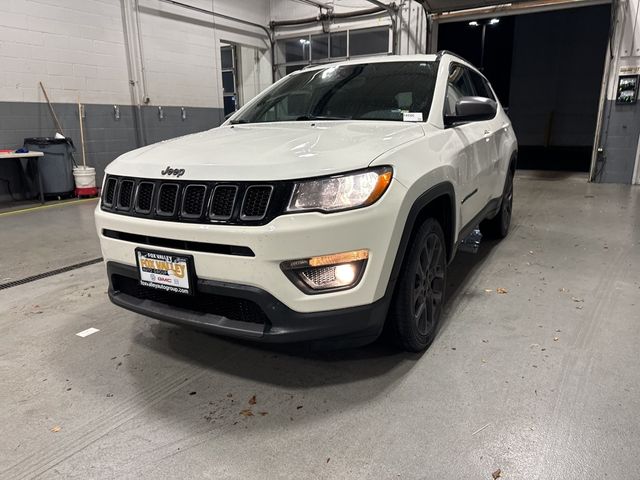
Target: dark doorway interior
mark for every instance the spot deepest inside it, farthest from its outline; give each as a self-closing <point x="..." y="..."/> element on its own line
<point x="547" y="69"/>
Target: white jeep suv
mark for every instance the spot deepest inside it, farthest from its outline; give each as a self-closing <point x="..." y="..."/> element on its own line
<point x="326" y="208"/>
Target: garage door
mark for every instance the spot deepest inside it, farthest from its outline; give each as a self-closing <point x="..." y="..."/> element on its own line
<point x="437" y="6"/>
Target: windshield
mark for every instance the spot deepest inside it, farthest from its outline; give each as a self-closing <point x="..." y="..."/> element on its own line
<point x="369" y="91"/>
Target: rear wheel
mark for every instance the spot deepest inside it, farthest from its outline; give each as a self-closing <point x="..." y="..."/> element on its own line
<point x="498" y="226"/>
<point x="418" y="300"/>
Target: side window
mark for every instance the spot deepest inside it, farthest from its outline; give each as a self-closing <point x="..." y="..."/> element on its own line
<point x="458" y="85"/>
<point x="489" y="91"/>
<point x="481" y="85"/>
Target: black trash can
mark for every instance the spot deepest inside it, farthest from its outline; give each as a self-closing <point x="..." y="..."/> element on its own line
<point x="56" y="166"/>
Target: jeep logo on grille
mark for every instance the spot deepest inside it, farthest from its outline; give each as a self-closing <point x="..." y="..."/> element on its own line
<point x="176" y="172"/>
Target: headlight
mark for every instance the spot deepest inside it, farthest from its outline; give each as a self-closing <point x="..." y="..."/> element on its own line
<point x="340" y="192"/>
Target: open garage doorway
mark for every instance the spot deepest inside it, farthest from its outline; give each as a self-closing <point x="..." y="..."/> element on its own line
<point x="547" y="69"/>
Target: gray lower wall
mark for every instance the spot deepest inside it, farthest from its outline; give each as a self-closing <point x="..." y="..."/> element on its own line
<point x="620" y="133"/>
<point x="105" y="137"/>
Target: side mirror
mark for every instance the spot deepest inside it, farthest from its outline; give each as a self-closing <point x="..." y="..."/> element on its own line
<point x="472" y="109"/>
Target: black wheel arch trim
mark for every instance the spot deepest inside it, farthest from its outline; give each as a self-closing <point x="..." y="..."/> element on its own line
<point x="444" y="189"/>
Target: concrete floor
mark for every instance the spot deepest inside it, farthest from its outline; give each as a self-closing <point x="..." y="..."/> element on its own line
<point x="541" y="382"/>
<point x="47" y="237"/>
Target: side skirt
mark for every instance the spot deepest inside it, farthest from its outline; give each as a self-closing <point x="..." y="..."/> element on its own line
<point x="489" y="211"/>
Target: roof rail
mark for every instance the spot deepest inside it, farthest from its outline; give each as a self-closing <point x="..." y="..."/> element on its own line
<point x="447" y="52"/>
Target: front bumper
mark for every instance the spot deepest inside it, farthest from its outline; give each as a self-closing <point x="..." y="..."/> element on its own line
<point x="259" y="315"/>
<point x="288" y="237"/>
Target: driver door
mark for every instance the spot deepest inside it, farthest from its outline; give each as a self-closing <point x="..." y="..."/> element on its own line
<point x="475" y="150"/>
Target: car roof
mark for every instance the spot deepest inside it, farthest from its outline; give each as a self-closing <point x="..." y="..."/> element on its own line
<point x="387" y="59"/>
<point x="376" y="59"/>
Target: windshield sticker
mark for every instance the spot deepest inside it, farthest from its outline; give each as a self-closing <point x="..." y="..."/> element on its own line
<point x="412" y="116"/>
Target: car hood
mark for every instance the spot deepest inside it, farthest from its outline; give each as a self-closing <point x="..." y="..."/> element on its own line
<point x="269" y="151"/>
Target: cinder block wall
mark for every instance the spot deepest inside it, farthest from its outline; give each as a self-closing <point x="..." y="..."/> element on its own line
<point x="619" y="161"/>
<point x="88" y="49"/>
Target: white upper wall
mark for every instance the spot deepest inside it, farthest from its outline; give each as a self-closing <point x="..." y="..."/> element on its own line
<point x="71" y="46"/>
<point x="78" y="47"/>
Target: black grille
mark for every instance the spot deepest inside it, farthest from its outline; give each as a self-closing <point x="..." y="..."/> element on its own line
<point x="167" y="197"/>
<point x="109" y="191"/>
<point x="230" y="203"/>
<point x="256" y="201"/>
<point x="144" y="197"/>
<point x="230" y="307"/>
<point x="193" y="200"/>
<point x="125" y="194"/>
<point x="222" y="201"/>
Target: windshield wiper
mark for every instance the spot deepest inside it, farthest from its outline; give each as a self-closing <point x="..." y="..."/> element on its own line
<point x="320" y="117"/>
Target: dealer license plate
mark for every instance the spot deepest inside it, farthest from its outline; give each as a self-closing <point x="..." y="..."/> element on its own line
<point x="165" y="271"/>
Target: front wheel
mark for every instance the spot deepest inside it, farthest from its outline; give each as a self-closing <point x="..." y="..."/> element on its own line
<point x="417" y="305"/>
<point x="498" y="226"/>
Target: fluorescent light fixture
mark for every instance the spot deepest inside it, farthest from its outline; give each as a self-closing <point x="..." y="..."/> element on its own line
<point x="494" y="21"/>
<point x="473" y="24"/>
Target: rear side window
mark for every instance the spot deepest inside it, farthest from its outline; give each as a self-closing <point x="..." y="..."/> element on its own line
<point x="459" y="85"/>
<point x="481" y="85"/>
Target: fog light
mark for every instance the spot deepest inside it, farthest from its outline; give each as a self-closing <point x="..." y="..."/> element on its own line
<point x="338" y="271"/>
<point x="346" y="273"/>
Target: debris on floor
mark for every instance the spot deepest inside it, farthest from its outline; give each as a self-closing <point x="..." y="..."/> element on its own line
<point x="496" y="474"/>
<point x="480" y="429"/>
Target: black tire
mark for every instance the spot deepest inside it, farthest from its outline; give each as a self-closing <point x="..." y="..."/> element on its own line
<point x="498" y="226"/>
<point x="419" y="297"/>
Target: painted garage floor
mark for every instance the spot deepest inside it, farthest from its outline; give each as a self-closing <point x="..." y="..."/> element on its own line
<point x="540" y="382"/>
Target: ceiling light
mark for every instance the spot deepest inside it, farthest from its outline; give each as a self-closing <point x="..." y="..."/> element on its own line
<point x="493" y="21"/>
<point x="473" y="24"/>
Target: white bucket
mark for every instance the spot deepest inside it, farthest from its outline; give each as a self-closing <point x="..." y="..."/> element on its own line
<point x="85" y="177"/>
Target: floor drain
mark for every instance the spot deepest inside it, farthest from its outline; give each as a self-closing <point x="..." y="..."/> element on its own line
<point x="51" y="273"/>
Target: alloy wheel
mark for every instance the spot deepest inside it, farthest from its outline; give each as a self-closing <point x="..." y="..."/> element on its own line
<point x="428" y="287"/>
